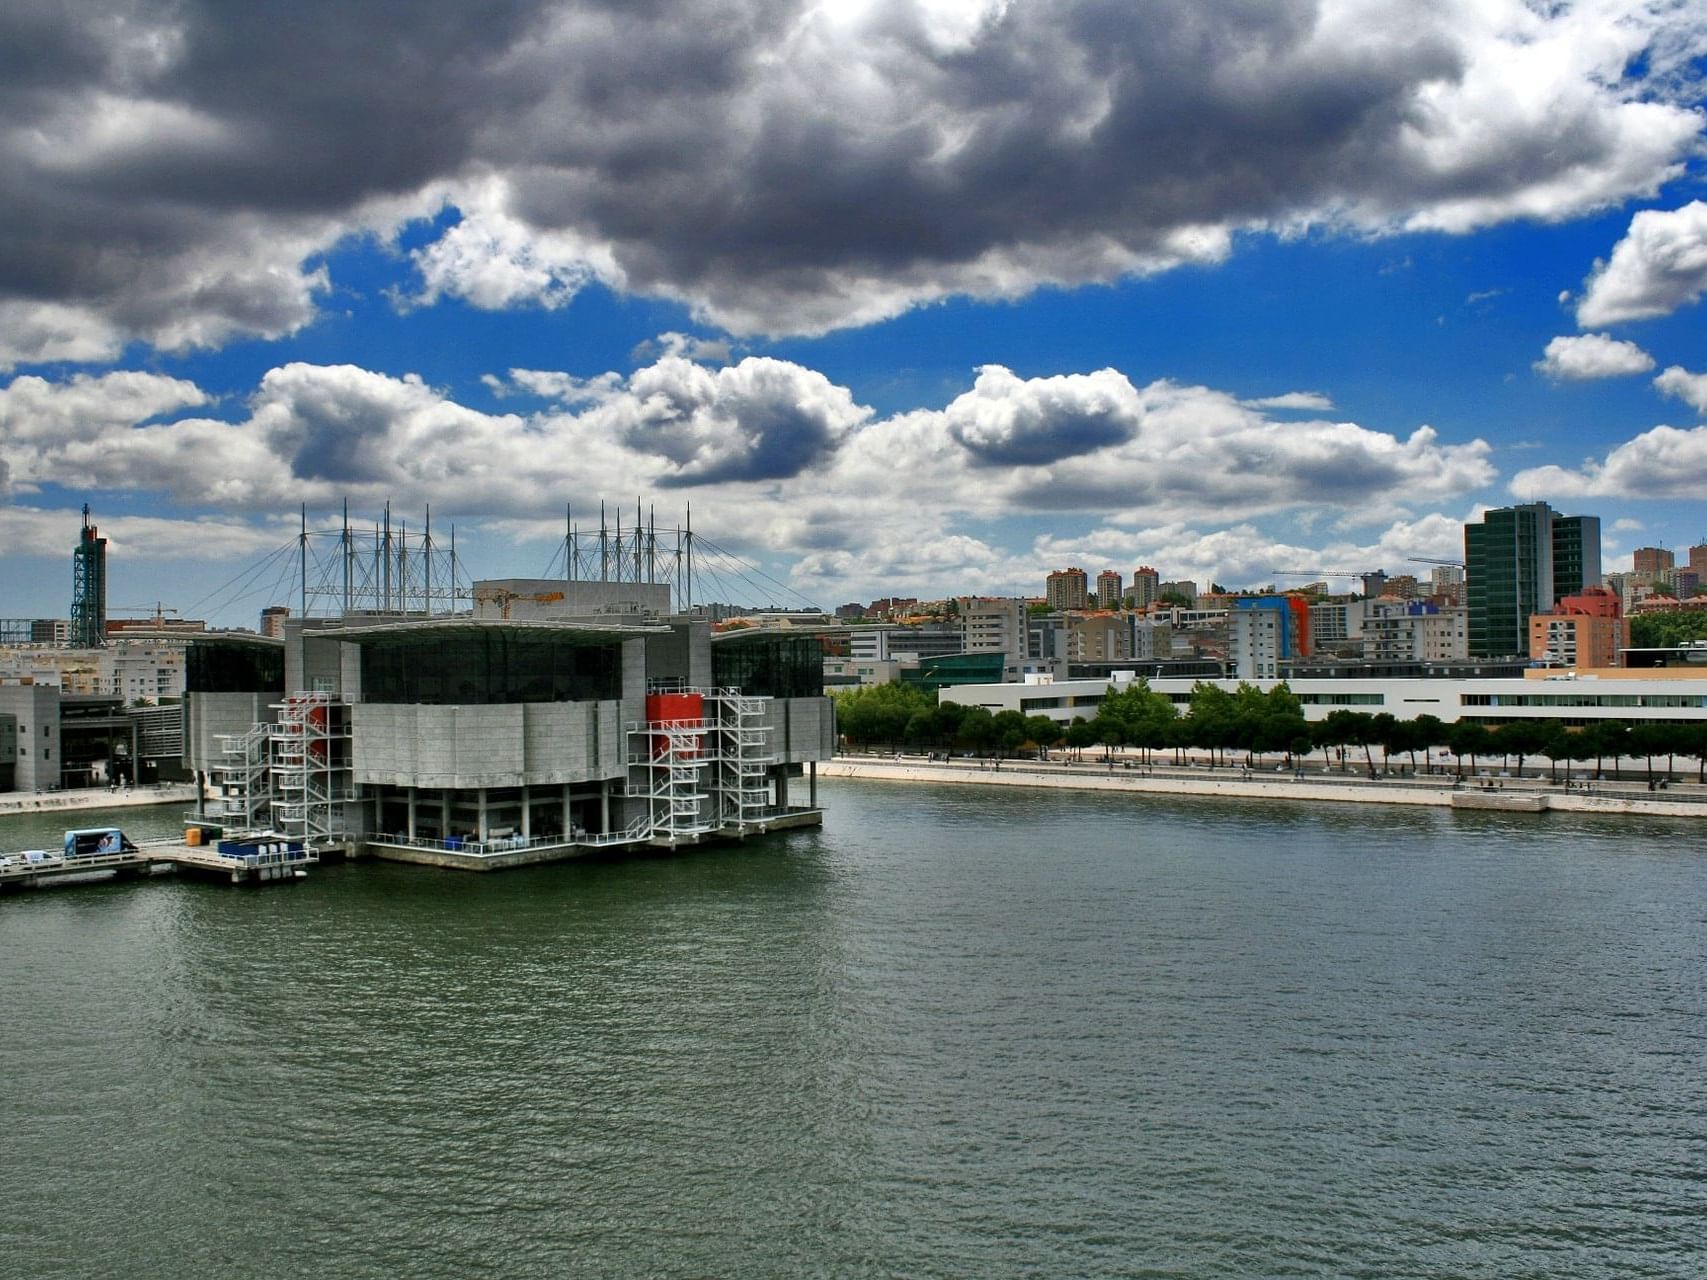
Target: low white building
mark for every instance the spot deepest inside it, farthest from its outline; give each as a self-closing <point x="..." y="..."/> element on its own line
<point x="1613" y="694"/>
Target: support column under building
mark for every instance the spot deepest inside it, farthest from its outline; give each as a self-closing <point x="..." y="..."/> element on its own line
<point x="812" y="783"/>
<point x="527" y="815"/>
<point x="411" y="813"/>
<point x="480" y="815"/>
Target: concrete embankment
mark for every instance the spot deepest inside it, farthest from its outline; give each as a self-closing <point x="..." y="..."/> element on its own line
<point x="95" y="798"/>
<point x="1526" y="795"/>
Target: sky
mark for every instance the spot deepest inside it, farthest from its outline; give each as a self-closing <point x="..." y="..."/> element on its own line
<point x="900" y="297"/>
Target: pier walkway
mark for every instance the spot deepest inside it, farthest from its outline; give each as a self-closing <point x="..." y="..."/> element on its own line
<point x="1478" y="791"/>
<point x="149" y="857"/>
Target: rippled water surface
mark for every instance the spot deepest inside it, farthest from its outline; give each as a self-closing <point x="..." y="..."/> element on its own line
<point x="959" y="1032"/>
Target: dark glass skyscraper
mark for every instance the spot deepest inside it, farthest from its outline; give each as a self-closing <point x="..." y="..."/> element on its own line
<point x="1518" y="561"/>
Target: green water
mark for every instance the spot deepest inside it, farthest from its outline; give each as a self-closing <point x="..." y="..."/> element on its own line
<point x="955" y="1033"/>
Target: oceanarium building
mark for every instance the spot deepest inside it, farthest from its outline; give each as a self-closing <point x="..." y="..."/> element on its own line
<point x="482" y="741"/>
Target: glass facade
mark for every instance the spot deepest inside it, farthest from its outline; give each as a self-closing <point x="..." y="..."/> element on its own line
<point x="211" y="667"/>
<point x="770" y="666"/>
<point x="481" y="666"/>
<point x="1518" y="561"/>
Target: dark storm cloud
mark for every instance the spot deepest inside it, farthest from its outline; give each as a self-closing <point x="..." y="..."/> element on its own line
<point x="761" y="419"/>
<point x="170" y="167"/>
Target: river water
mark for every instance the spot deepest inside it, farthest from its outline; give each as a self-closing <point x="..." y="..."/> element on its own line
<point x="968" y="1032"/>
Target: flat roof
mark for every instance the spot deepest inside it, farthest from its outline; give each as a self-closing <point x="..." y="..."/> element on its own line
<point x="570" y="628"/>
<point x="771" y="633"/>
<point x="230" y="637"/>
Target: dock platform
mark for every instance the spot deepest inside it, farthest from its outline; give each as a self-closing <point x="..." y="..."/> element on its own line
<point x="151" y="857"/>
<point x="501" y="855"/>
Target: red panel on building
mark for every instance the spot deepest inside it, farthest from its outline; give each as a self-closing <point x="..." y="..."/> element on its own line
<point x="674" y="708"/>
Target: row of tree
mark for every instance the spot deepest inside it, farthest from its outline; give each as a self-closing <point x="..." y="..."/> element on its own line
<point x="1250" y="722"/>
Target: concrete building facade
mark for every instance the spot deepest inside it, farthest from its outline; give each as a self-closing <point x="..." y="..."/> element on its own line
<point x="1415" y="631"/>
<point x="1649" y="561"/>
<point x="1588" y="630"/>
<point x="1264" y="630"/>
<point x="1067" y="589"/>
<point x="994" y="624"/>
<point x="422" y="738"/>
<point x="1111" y="589"/>
<point x="1146" y="586"/>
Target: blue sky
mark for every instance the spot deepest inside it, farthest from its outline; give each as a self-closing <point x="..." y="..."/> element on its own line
<point x="903" y="297"/>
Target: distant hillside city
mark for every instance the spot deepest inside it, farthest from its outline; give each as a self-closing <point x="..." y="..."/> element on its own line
<point x="1528" y="600"/>
<point x="1528" y="592"/>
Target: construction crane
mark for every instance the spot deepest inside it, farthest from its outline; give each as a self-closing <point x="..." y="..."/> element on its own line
<point x="1454" y="564"/>
<point x="158" y="610"/>
<point x="504" y="598"/>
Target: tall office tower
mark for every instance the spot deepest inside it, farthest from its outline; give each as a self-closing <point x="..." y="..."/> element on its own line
<point x="1067" y="589"/>
<point x="1519" y="561"/>
<point x="1146" y="586"/>
<point x="1651" y="561"/>
<point x="89" y="588"/>
<point x="1111" y="589"/>
<point x="1698" y="559"/>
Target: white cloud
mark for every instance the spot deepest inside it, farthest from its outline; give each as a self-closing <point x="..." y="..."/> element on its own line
<point x="1664" y="462"/>
<point x="1659" y="266"/>
<point x="34" y="411"/>
<point x="493" y="260"/>
<point x="1691" y="388"/>
<point x="1313" y="401"/>
<point x="1592" y="355"/>
<point x="777" y="458"/>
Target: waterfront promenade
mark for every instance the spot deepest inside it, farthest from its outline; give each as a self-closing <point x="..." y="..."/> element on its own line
<point x="12" y="802"/>
<point x="1528" y="793"/>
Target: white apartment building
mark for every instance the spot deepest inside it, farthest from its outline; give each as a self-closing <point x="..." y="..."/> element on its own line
<point x="1395" y="632"/>
<point x="1253" y="643"/>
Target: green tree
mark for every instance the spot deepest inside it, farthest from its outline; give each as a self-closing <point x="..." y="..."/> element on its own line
<point x="1353" y="729"/>
<point x="1010" y="731"/>
<point x="1468" y="738"/>
<point x="1664" y="630"/>
<point x="1651" y="738"/>
<point x="880" y="712"/>
<point x="946" y="721"/>
<point x="978" y="729"/>
<point x="1043" y="733"/>
<point x="1605" y="738"/>
<point x="1521" y="738"/>
<point x="1212" y="721"/>
<point x="1427" y="733"/>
